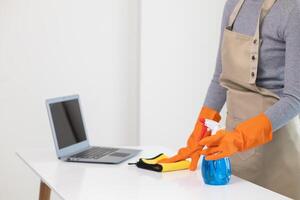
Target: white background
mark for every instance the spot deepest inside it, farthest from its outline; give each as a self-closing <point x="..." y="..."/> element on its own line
<point x="140" y="67"/>
<point x="179" y="42"/>
<point x="50" y="48"/>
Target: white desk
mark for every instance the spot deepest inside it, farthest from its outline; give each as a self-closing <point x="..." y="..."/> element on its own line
<point x="73" y="181"/>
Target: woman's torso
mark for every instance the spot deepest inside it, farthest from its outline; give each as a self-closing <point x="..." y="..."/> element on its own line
<point x="272" y="53"/>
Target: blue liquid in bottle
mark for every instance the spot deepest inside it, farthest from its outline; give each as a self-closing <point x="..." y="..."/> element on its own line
<point x="216" y="172"/>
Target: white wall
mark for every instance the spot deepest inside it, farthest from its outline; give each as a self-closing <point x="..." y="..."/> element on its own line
<point x="92" y="47"/>
<point x="179" y="41"/>
<point x="51" y="48"/>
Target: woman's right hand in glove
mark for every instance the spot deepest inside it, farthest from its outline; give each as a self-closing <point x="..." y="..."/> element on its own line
<point x="200" y="131"/>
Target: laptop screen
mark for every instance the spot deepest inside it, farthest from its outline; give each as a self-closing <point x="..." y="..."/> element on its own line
<point x="67" y="122"/>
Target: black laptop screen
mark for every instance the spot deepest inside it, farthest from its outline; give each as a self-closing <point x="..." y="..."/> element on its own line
<point x="67" y="122"/>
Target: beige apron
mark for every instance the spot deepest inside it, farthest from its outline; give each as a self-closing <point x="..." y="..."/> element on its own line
<point x="276" y="165"/>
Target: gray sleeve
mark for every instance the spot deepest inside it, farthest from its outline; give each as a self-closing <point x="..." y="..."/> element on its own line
<point x="216" y="94"/>
<point x="288" y="106"/>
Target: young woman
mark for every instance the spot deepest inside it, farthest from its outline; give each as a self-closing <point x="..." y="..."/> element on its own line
<point x="258" y="76"/>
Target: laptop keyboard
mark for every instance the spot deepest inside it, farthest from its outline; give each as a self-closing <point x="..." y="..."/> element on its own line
<point x="94" y="153"/>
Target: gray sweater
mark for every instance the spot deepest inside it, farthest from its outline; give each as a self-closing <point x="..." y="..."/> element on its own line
<point x="279" y="62"/>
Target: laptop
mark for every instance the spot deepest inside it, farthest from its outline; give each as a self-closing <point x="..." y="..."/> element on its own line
<point x="70" y="137"/>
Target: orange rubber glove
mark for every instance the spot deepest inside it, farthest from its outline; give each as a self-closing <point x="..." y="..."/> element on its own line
<point x="199" y="132"/>
<point x="248" y="134"/>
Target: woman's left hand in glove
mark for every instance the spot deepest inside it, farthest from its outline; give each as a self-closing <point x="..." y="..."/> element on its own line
<point x="248" y="134"/>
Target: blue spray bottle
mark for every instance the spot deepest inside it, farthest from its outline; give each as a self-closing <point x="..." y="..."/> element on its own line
<point x="215" y="172"/>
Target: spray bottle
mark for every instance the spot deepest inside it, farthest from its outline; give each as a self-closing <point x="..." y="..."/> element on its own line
<point x="215" y="172"/>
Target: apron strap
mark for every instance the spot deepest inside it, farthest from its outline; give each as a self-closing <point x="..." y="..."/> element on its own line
<point x="235" y="13"/>
<point x="265" y="9"/>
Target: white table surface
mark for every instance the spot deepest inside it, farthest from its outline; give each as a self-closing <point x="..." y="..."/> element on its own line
<point x="73" y="181"/>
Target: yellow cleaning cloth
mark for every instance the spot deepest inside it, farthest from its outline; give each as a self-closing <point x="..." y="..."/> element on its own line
<point x="153" y="165"/>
